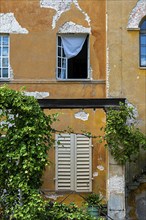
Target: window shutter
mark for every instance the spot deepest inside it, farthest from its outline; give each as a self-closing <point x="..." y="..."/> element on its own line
<point x="63" y="162"/>
<point x="73" y="163"/>
<point x="83" y="164"/>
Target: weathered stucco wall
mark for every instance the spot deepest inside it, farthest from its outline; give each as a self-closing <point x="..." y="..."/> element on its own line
<point x="124" y="76"/>
<point x="94" y="120"/>
<point x="33" y="55"/>
<point x="33" y="60"/>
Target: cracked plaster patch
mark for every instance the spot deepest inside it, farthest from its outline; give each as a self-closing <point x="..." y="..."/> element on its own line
<point x="116" y="184"/>
<point x="9" y="24"/>
<point x="138" y="12"/>
<point x="37" y="95"/>
<point x="95" y="174"/>
<point x="60" y="7"/>
<point x="82" y="115"/>
<point x="100" y="167"/>
<point x="71" y="27"/>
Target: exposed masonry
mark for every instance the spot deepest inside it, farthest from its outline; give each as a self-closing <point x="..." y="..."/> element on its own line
<point x="60" y="7"/>
<point x="100" y="167"/>
<point x="95" y="174"/>
<point x="138" y="12"/>
<point x="135" y="114"/>
<point x="37" y="95"/>
<point x="117" y="184"/>
<point x="82" y="115"/>
<point x="71" y="27"/>
<point x="9" y="24"/>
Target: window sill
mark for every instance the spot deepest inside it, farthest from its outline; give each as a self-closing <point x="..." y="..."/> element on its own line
<point x="74" y="80"/>
<point x="5" y="80"/>
<point x="142" y="68"/>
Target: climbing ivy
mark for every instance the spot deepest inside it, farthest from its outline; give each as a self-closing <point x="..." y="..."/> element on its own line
<point x="123" y="139"/>
<point x="25" y="138"/>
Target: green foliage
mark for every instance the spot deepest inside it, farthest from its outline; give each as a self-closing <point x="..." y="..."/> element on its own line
<point x="25" y="138"/>
<point x="66" y="212"/>
<point x="94" y="199"/>
<point x="124" y="140"/>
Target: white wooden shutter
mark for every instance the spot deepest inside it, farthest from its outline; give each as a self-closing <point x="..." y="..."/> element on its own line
<point x="83" y="165"/>
<point x="63" y="162"/>
<point x="73" y="163"/>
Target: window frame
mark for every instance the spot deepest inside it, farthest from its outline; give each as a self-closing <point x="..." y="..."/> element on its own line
<point x="142" y="33"/>
<point x="2" y="78"/>
<point x="75" y="152"/>
<point x="88" y="60"/>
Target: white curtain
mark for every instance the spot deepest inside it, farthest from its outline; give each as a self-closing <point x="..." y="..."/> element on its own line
<point x="72" y="44"/>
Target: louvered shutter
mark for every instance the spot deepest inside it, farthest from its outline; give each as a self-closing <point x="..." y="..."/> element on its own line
<point x="83" y="166"/>
<point x="63" y="162"/>
<point x="73" y="163"/>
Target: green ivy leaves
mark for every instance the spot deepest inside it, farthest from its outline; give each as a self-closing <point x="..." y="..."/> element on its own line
<point x="123" y="139"/>
<point x="25" y="138"/>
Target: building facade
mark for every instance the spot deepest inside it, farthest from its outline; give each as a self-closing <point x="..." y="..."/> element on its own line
<point x="57" y="50"/>
<point x="74" y="52"/>
<point x="126" y="77"/>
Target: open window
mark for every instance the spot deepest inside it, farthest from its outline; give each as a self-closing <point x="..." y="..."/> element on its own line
<point x="143" y="43"/>
<point x="4" y="57"/>
<point x="73" y="56"/>
<point x="73" y="163"/>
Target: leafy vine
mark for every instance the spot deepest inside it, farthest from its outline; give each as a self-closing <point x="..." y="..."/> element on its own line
<point x="123" y="139"/>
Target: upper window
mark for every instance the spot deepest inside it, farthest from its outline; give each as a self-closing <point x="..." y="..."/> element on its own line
<point x="4" y="57"/>
<point x="143" y="43"/>
<point x="72" y="56"/>
<point x="73" y="163"/>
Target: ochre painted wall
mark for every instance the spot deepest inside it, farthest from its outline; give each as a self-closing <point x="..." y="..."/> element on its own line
<point x="33" y="63"/>
<point x="96" y="120"/>
<point x="33" y="55"/>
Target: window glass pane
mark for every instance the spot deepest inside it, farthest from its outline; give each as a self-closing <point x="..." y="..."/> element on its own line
<point x="59" y="51"/>
<point x="59" y="72"/>
<point x="0" y="51"/>
<point x="143" y="61"/>
<point x="59" y="41"/>
<point x="5" y="72"/>
<point x="143" y="39"/>
<point x="0" y="72"/>
<point x="5" y="40"/>
<point x="0" y="39"/>
<point x="143" y="25"/>
<point x="5" y="62"/>
<point x="63" y="63"/>
<point x="5" y="51"/>
<point x="59" y="62"/>
<point x="63" y="54"/>
<point x="143" y="50"/>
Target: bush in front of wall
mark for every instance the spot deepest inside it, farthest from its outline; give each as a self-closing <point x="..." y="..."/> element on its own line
<point x="25" y="138"/>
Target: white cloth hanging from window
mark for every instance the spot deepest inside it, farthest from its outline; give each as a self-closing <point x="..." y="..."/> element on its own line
<point x="72" y="44"/>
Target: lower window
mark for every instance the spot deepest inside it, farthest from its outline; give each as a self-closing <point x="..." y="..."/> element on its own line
<point x="73" y="163"/>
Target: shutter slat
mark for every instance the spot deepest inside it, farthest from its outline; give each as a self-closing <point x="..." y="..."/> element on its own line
<point x="83" y="164"/>
<point x="63" y="162"/>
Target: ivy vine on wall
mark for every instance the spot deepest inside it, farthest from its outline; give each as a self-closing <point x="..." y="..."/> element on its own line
<point x="25" y="138"/>
<point x="123" y="139"/>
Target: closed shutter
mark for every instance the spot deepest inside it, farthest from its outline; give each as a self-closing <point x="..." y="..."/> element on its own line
<point x="73" y="163"/>
<point x="63" y="162"/>
<point x="83" y="164"/>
